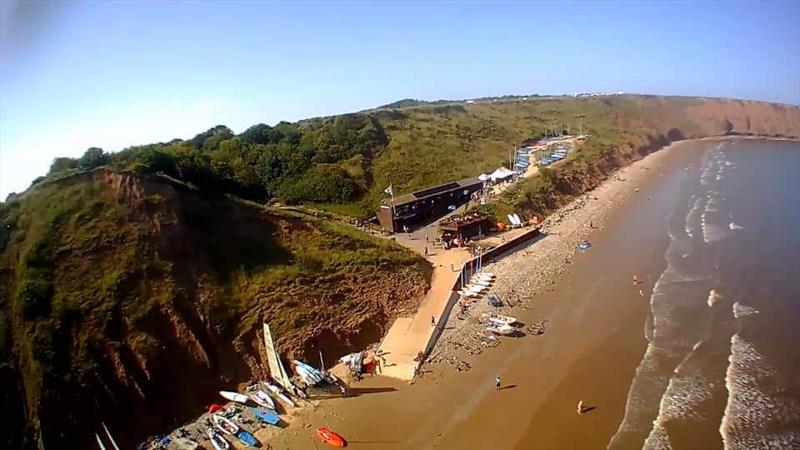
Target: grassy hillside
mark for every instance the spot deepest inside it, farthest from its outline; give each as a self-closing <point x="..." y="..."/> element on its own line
<point x="133" y="300"/>
<point x="343" y="163"/>
<point x="132" y="284"/>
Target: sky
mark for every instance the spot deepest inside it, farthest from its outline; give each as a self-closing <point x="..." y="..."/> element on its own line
<point x="114" y="74"/>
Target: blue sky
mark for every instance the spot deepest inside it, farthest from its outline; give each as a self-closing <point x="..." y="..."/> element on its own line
<point x="81" y="74"/>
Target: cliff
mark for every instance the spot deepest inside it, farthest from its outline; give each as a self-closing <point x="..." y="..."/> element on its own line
<point x="134" y="299"/>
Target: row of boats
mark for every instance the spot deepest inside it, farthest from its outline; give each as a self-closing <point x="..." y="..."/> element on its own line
<point x="478" y="286"/>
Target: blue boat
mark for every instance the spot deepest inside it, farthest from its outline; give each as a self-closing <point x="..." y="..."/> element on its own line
<point x="247" y="438"/>
<point x="494" y="300"/>
<point x="266" y="416"/>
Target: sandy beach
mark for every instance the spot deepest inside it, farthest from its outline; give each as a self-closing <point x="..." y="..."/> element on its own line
<point x="593" y="314"/>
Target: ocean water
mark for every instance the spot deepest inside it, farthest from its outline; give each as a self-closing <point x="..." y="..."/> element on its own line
<point x="722" y="364"/>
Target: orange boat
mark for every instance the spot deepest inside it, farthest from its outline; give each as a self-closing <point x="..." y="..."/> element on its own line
<point x="331" y="438"/>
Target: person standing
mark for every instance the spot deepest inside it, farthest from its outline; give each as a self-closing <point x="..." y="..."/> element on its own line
<point x="497" y="382"/>
<point x="433" y="321"/>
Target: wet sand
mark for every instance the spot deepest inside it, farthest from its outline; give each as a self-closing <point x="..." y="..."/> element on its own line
<point x="593" y="343"/>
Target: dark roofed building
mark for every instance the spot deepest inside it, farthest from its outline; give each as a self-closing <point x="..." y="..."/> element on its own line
<point x="423" y="206"/>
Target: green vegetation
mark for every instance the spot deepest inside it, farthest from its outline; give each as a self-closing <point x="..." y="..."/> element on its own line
<point x="100" y="272"/>
<point x="343" y="163"/>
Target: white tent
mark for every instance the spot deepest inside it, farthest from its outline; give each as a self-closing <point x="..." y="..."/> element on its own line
<point x="501" y="174"/>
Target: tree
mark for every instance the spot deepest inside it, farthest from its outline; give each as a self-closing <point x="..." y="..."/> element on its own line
<point x="93" y="157"/>
<point x="62" y="164"/>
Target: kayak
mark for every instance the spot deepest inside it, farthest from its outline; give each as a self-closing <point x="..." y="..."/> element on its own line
<point x="234" y="396"/>
<point x="224" y="424"/>
<point x="262" y="399"/>
<point x="266" y="416"/>
<point x="331" y="438"/>
<point x="217" y="440"/>
<point x="247" y="438"/>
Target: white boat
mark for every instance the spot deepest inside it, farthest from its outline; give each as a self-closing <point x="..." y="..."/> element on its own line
<point x="234" y="396"/>
<point x="475" y="288"/>
<point x="225" y="425"/>
<point x="470" y="294"/>
<point x="219" y="442"/>
<point x="481" y="283"/>
<point x="504" y="329"/>
<point x="507" y="320"/>
<point x="483" y="276"/>
<point x="262" y="399"/>
<point x="279" y="393"/>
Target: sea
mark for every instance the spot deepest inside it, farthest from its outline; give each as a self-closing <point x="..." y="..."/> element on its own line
<point x="722" y="364"/>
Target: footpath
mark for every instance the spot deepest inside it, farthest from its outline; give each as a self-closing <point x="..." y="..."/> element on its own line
<point x="410" y="336"/>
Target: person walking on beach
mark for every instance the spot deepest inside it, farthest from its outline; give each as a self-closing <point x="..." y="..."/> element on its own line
<point x="426" y="250"/>
<point x="497" y="382"/>
<point x="580" y="407"/>
<point x="433" y="321"/>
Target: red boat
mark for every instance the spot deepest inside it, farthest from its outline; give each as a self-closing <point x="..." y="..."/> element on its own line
<point x="331" y="438"/>
<point x="215" y="407"/>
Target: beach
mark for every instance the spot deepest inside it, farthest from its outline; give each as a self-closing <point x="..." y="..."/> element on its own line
<point x="595" y="306"/>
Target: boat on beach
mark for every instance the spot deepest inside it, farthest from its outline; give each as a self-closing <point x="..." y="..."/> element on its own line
<point x="499" y="318"/>
<point x="219" y="442"/>
<point x="266" y="416"/>
<point x="502" y="329"/>
<point x="261" y="398"/>
<point x="234" y="396"/>
<point x="279" y="393"/>
<point x="224" y="424"/>
<point x="494" y="300"/>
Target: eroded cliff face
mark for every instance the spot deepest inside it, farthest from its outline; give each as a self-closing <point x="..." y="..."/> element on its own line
<point x="134" y="300"/>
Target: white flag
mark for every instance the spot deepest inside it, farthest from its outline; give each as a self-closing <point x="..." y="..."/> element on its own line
<point x="389" y="190"/>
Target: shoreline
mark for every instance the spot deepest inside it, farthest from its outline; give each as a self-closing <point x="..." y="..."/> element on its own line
<point x="552" y="256"/>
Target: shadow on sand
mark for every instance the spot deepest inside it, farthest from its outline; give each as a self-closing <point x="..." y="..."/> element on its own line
<point x="355" y="392"/>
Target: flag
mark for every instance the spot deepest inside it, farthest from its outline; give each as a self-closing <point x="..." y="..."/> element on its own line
<point x="389" y="190"/>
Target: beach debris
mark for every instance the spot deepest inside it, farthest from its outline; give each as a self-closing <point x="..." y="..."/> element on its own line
<point x="537" y="328"/>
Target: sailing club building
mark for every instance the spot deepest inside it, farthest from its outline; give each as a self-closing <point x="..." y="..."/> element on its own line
<point x="424" y="206"/>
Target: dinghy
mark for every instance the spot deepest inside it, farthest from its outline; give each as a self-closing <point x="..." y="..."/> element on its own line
<point x="261" y="398"/>
<point x="224" y="424"/>
<point x="279" y="393"/>
<point x="494" y="300"/>
<point x="508" y="320"/>
<point x="504" y="329"/>
<point x="234" y="396"/>
<point x="217" y="440"/>
<point x="266" y="416"/>
<point x="247" y="438"/>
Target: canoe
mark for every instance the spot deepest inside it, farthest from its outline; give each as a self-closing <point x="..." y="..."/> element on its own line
<point x="508" y="320"/>
<point x="331" y="438"/>
<point x="247" y="438"/>
<point x="279" y="393"/>
<point x="217" y="440"/>
<point x="234" y="396"/>
<point x="261" y="398"/>
<point x="266" y="416"/>
<point x="224" y="424"/>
